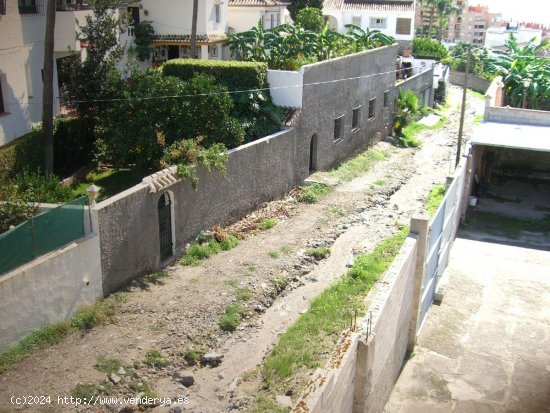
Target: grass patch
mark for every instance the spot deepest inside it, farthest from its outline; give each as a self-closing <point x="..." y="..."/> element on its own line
<point x="108" y="365"/>
<point x="101" y="313"/>
<point x="337" y="211"/>
<point x="436" y="195"/>
<point x="307" y="343"/>
<point x="232" y="317"/>
<point x="358" y="165"/>
<point x="379" y="182"/>
<point x="476" y="95"/>
<point x="286" y="249"/>
<point x="192" y="355"/>
<point x="199" y="251"/>
<point x="313" y="193"/>
<point x="232" y="283"/>
<point x="268" y="223"/>
<point x="318" y="253"/>
<point x="243" y="294"/>
<point x="507" y="226"/>
<point x="273" y="254"/>
<point x="412" y="130"/>
<point x="110" y="182"/>
<point x="154" y="358"/>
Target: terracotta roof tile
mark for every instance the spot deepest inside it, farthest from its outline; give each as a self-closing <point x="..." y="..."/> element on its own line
<point x="394" y="5"/>
<point x="178" y="38"/>
<point x="261" y="3"/>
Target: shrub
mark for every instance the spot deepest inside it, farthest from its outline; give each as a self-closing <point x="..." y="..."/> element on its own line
<point x="26" y="151"/>
<point x="427" y="47"/>
<point x="310" y="18"/>
<point x="313" y="193"/>
<point x="15" y="208"/>
<point x="406" y="106"/>
<point x="143" y="32"/>
<point x="232" y="74"/>
<point x="36" y="187"/>
<point x="440" y="95"/>
<point x="268" y="223"/>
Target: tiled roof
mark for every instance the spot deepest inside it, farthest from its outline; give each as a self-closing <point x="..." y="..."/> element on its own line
<point x="369" y="5"/>
<point x="290" y="115"/>
<point x="179" y="38"/>
<point x="396" y="5"/>
<point x="262" y="3"/>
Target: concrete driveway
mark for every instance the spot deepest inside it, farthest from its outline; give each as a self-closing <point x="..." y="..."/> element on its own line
<point x="486" y="348"/>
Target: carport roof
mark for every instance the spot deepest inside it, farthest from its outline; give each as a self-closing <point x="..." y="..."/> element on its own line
<point x="511" y="135"/>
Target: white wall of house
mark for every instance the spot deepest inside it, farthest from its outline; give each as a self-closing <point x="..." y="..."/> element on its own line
<point x="497" y="36"/>
<point x="242" y="18"/>
<point x="385" y="21"/>
<point x="286" y="87"/>
<point x="21" y="62"/>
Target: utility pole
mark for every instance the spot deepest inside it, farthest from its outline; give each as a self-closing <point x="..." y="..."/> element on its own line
<point x="463" y="110"/>
<point x="47" y="88"/>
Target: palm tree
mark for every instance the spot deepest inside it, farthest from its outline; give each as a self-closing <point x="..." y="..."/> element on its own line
<point x="47" y="91"/>
<point x="194" y="29"/>
<point x="369" y="39"/>
<point x="445" y="9"/>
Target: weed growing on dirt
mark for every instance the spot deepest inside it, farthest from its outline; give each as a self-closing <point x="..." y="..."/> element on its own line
<point x="201" y="251"/>
<point x="102" y="312"/>
<point x="314" y="192"/>
<point x="306" y="343"/>
<point x="232" y="283"/>
<point x="156" y="277"/>
<point x="337" y="211"/>
<point x="411" y="131"/>
<point x="232" y="317"/>
<point x="379" y="182"/>
<point x="154" y="358"/>
<point x="243" y="294"/>
<point x="435" y="197"/>
<point x="192" y="355"/>
<point x="268" y="223"/>
<point x="279" y="282"/>
<point x="84" y="391"/>
<point x="273" y="254"/>
<point x="318" y="253"/>
<point x="108" y="365"/>
<point x="359" y="165"/>
<point x="286" y="249"/>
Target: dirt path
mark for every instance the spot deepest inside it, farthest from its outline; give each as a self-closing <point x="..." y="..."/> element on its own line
<point x="182" y="312"/>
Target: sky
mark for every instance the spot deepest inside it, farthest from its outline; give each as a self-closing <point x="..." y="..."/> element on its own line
<point x="523" y="10"/>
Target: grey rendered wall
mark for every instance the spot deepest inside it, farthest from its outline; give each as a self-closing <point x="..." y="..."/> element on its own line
<point x="474" y="82"/>
<point x="327" y="96"/>
<point x="128" y="223"/>
<point x="421" y="84"/>
<point x="49" y="289"/>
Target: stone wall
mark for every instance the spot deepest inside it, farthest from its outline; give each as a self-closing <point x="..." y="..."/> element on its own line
<point x="474" y="82"/>
<point x="260" y="171"/>
<point x="422" y="85"/>
<point x="49" y="289"/>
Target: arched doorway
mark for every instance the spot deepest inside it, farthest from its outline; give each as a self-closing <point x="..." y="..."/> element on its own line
<point x="313" y="154"/>
<point x="165" y="226"/>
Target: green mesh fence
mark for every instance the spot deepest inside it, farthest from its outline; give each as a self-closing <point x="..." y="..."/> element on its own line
<point x="42" y="234"/>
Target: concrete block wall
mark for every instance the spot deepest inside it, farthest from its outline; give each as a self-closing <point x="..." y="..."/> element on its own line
<point x="49" y="289"/>
<point x="422" y="85"/>
<point x="364" y="374"/>
<point x="474" y="82"/>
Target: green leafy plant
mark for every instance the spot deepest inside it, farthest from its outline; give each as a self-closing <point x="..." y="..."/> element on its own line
<point x="406" y="107"/>
<point x="428" y="47"/>
<point x="243" y="294"/>
<point x="232" y="317"/>
<point x="313" y="193"/>
<point x="144" y="35"/>
<point x="318" y="253"/>
<point x="310" y="18"/>
<point x="154" y="358"/>
<point x="268" y="223"/>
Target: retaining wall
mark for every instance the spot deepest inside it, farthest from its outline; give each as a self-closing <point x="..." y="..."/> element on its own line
<point x="476" y="83"/>
<point x="49" y="289"/>
<point x="366" y="366"/>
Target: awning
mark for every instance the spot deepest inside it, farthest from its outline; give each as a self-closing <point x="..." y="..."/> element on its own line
<point x="510" y="135"/>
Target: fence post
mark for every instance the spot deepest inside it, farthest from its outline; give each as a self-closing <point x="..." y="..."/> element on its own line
<point x="420" y="227"/>
<point x="363" y="373"/>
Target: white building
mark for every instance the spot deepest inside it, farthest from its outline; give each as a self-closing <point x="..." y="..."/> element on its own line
<point x="393" y="17"/>
<point x="245" y="14"/>
<point x="22" y="30"/>
<point x="172" y="20"/>
<point x="496" y="36"/>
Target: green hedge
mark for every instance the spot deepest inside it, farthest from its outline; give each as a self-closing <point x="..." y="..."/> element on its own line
<point x="425" y="47"/>
<point x="71" y="151"/>
<point x="26" y="151"/>
<point x="232" y="74"/>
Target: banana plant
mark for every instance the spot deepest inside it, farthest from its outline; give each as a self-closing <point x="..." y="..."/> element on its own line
<point x="362" y="39"/>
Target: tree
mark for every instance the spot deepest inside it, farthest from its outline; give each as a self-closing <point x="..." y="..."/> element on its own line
<point x="296" y="5"/>
<point x="194" y="29"/>
<point x="311" y="19"/>
<point x="445" y="9"/>
<point x="47" y="94"/>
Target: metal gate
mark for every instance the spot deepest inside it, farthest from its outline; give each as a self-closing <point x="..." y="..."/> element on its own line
<point x="165" y="226"/>
<point x="442" y="232"/>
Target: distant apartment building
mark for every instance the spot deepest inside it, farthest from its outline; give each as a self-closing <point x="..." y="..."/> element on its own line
<point x="469" y="26"/>
<point x="245" y="14"/>
<point x="394" y="18"/>
<point x="172" y="21"/>
<point x="523" y="32"/>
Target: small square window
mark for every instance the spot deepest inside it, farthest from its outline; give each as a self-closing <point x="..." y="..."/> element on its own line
<point x="213" y="50"/>
<point x="372" y="111"/>
<point x="338" y="128"/>
<point x="356" y="119"/>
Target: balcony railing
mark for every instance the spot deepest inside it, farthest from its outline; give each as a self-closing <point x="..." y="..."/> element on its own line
<point x="63" y="5"/>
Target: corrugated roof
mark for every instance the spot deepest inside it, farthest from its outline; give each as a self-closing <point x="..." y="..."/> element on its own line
<point x="509" y="135"/>
<point x="257" y="3"/>
<point x="178" y="38"/>
<point x="332" y="4"/>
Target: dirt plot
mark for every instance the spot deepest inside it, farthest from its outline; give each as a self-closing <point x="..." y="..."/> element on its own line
<point x="162" y="328"/>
